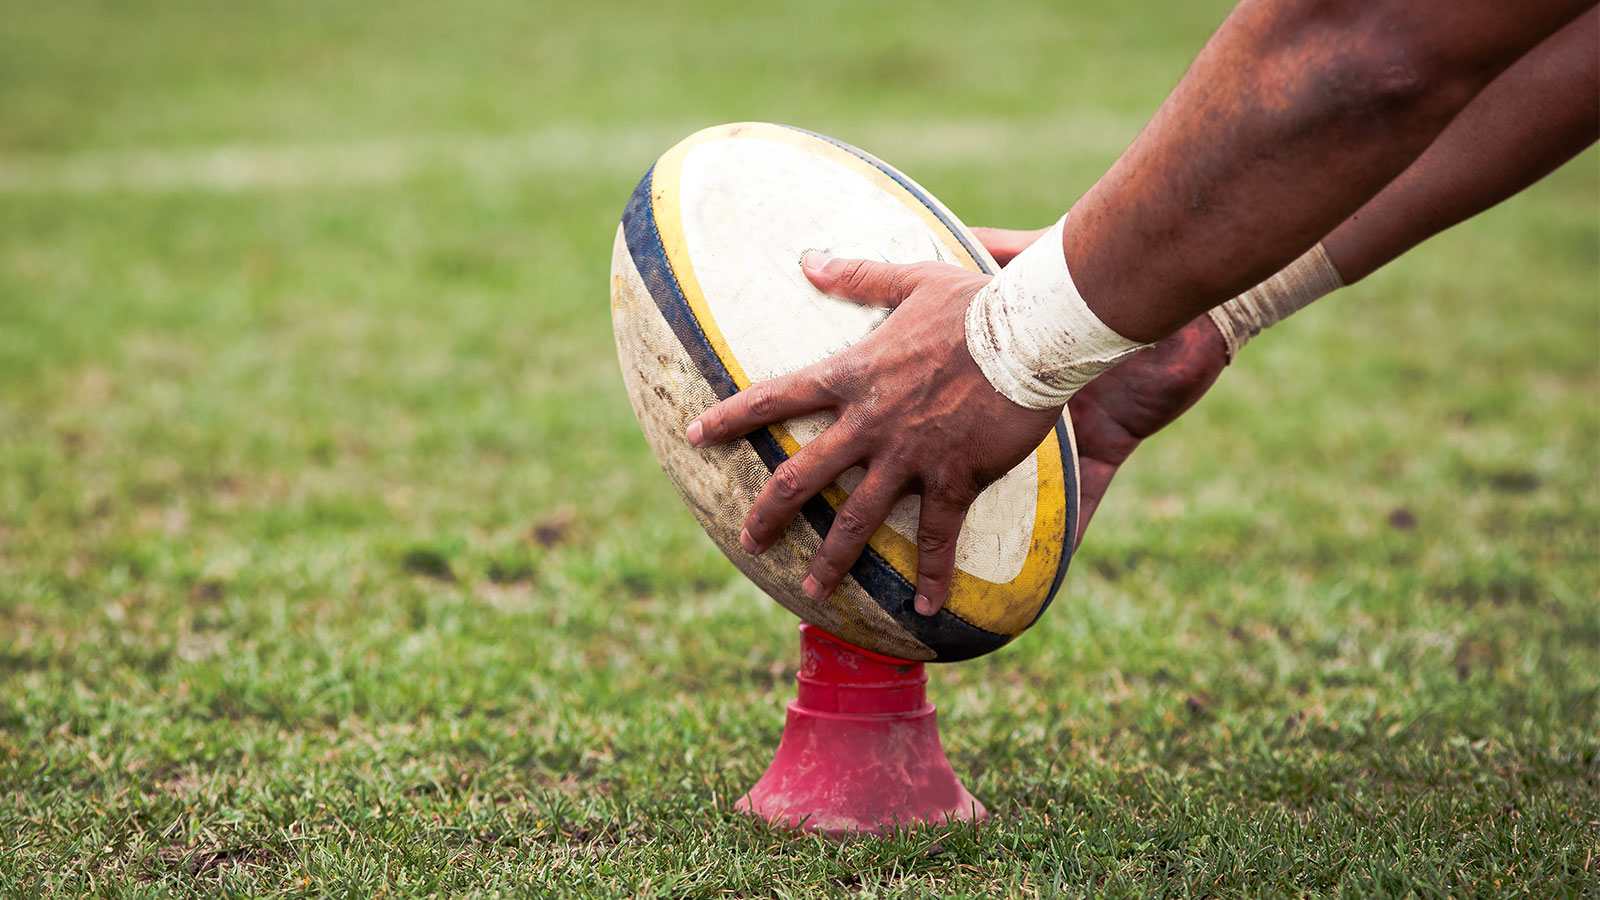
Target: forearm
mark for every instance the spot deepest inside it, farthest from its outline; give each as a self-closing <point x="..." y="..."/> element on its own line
<point x="1291" y="118"/>
<point x="1538" y="114"/>
<point x="1535" y="116"/>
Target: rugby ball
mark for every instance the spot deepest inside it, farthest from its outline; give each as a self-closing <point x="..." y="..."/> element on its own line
<point x="707" y="298"/>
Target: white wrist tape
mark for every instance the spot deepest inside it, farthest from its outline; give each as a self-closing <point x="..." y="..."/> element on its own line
<point x="1270" y="302"/>
<point x="1033" y="336"/>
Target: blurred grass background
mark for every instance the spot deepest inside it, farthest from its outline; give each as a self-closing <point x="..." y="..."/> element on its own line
<point x="331" y="560"/>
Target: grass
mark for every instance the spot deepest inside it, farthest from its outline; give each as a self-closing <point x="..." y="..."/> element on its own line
<point x="332" y="562"/>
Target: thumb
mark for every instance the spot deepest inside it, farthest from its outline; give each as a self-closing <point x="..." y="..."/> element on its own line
<point x="862" y="280"/>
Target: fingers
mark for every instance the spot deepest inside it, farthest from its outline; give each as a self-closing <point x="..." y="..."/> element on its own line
<point x="861" y="280"/>
<point x="853" y="526"/>
<point x="1096" y="477"/>
<point x="797" y="480"/>
<point x="938" y="527"/>
<point x="761" y="404"/>
<point x="1004" y="244"/>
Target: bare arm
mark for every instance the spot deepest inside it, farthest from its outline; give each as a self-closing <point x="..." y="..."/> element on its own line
<point x="1292" y="117"/>
<point x="1538" y="114"/>
<point x="1541" y="112"/>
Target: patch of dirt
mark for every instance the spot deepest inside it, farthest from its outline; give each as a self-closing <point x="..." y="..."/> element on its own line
<point x="554" y="528"/>
<point x="206" y="590"/>
<point x="427" y="562"/>
<point x="209" y="862"/>
<point x="509" y="573"/>
<point x="1473" y="655"/>
<point x="1402" y="519"/>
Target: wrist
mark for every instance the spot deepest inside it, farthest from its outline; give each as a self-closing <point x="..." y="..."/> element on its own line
<point x="1031" y="333"/>
<point x="1300" y="283"/>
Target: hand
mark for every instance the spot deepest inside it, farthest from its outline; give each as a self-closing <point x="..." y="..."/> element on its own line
<point x="910" y="406"/>
<point x="1004" y="244"/>
<point x="1143" y="394"/>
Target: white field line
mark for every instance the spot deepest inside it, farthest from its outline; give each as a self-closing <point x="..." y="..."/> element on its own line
<point x="570" y="150"/>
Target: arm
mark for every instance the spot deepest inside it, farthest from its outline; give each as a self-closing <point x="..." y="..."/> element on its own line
<point x="1537" y="115"/>
<point x="1308" y="101"/>
<point x="1291" y="118"/>
<point x="1540" y="113"/>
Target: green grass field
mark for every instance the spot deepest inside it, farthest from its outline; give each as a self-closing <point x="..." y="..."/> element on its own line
<point x="332" y="561"/>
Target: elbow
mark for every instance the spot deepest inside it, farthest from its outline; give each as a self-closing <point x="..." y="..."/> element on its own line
<point x="1386" y="72"/>
<point x="1395" y="79"/>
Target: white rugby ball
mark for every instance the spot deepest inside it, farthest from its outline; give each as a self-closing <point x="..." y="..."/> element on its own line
<point x="707" y="298"/>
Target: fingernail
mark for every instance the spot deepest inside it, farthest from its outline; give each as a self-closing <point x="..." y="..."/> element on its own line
<point x="695" y="434"/>
<point x="814" y="260"/>
<point x="748" y="542"/>
<point x="924" y="605"/>
<point x="812" y="588"/>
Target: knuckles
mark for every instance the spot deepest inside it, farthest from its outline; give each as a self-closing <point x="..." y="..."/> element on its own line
<point x="786" y="483"/>
<point x="851" y="527"/>
<point x="854" y="275"/>
<point x="762" y="401"/>
<point x="826" y="571"/>
<point x="859" y="420"/>
<point x="936" y="546"/>
<point x="840" y="374"/>
<point x="948" y="489"/>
